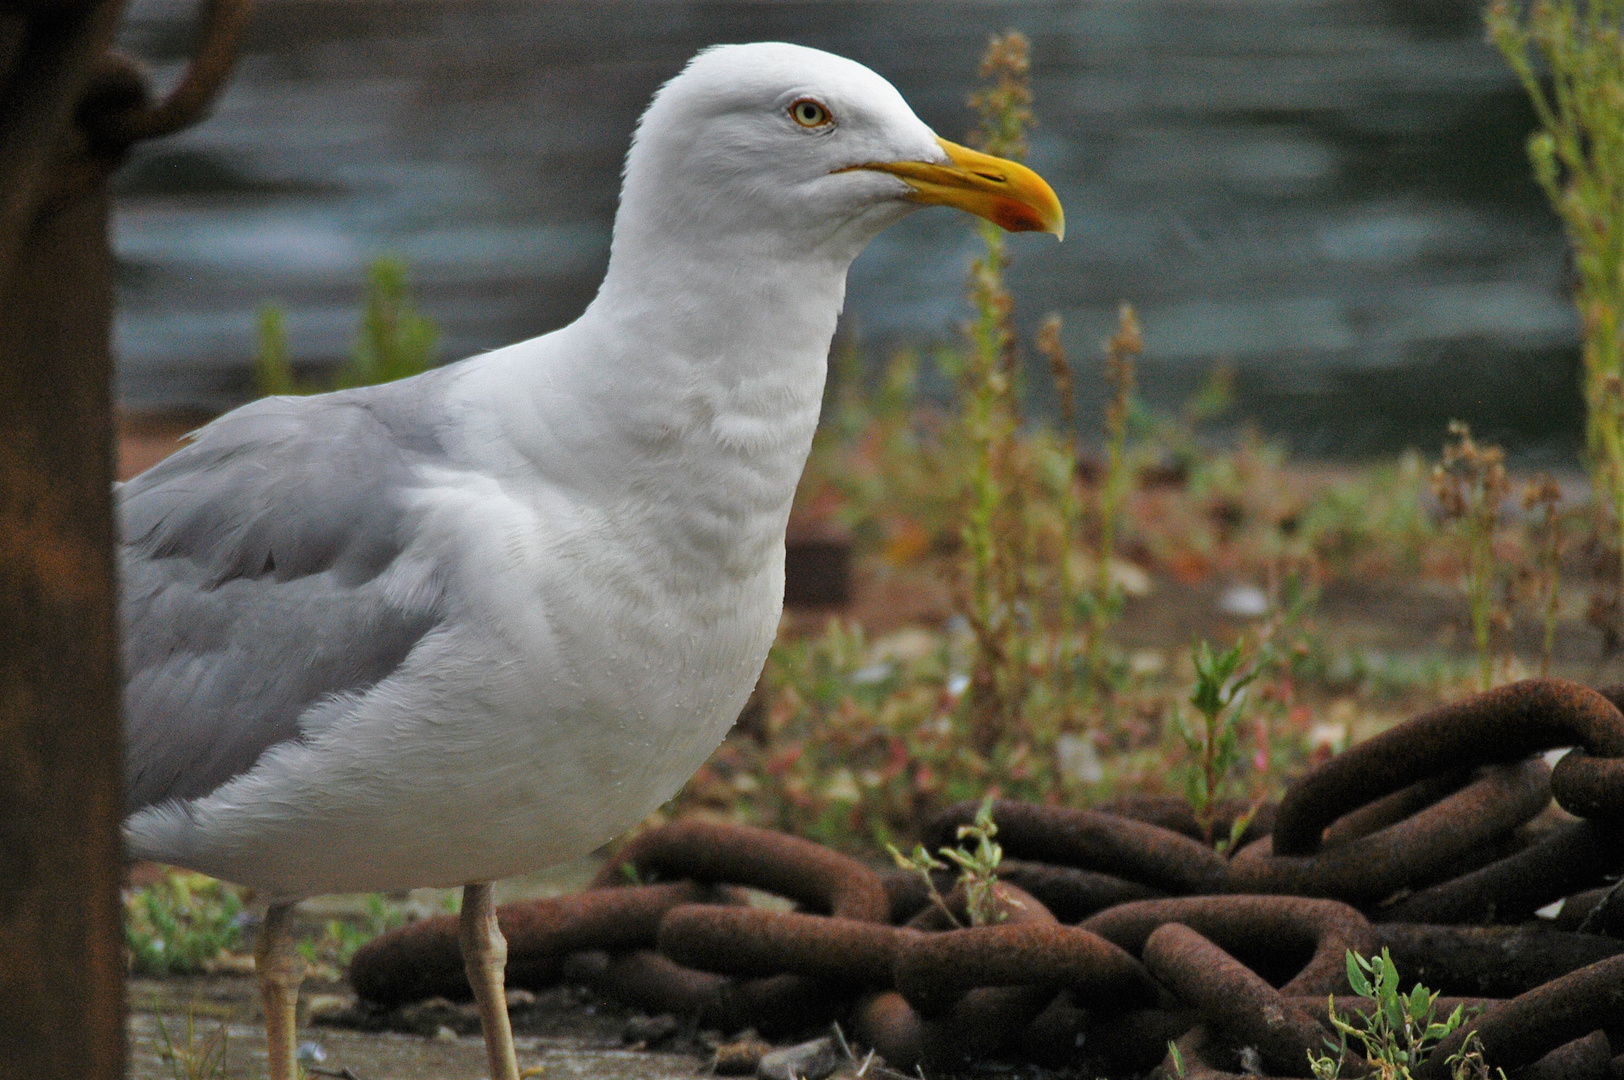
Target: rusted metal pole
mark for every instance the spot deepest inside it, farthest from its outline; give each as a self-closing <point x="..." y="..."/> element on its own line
<point x="68" y="112"/>
<point x="61" y="947"/>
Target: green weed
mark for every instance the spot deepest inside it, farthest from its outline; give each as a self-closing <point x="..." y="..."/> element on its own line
<point x="393" y="342"/>
<point x="1396" y="1036"/>
<point x="191" y="1059"/>
<point x="978" y="869"/>
<point x="1024" y="589"/>
<point x="273" y="368"/>
<point x="1220" y="679"/>
<point x="1569" y="56"/>
<point x="179" y="923"/>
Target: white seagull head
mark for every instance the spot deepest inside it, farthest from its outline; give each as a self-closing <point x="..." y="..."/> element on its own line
<point x="793" y="152"/>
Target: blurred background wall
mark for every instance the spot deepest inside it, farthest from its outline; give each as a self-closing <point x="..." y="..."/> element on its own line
<point x="1331" y="195"/>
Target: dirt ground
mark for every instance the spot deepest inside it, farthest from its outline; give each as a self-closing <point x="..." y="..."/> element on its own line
<point x="564" y="1032"/>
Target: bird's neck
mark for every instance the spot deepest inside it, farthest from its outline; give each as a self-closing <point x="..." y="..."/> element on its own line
<point x="719" y="360"/>
<point x="754" y="329"/>
<point x="694" y="380"/>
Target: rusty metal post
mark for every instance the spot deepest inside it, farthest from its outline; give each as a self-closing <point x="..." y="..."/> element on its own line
<point x="61" y="948"/>
<point x="68" y="112"/>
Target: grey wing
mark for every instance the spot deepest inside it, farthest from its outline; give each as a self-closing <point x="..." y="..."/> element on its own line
<point x="261" y="577"/>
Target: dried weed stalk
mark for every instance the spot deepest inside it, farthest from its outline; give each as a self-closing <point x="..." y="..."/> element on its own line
<point x="1542" y="499"/>
<point x="1471" y="486"/>
<point x="1064" y="659"/>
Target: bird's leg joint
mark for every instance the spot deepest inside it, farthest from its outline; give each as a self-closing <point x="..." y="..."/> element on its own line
<point x="276" y="961"/>
<point x="483" y="946"/>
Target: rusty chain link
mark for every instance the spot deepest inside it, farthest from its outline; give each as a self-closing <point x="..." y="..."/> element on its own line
<point x="1407" y="853"/>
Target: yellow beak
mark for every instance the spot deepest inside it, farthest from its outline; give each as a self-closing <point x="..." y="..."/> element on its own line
<point x="1006" y="193"/>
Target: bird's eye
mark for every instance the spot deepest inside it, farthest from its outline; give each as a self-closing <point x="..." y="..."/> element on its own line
<point x="809" y="113"/>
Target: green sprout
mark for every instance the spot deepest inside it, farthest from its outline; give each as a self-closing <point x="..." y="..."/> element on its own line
<point x="978" y="870"/>
<point x="1219" y="682"/>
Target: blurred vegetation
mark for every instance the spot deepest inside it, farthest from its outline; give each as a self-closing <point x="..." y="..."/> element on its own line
<point x="194" y="1056"/>
<point x="1569" y="55"/>
<point x="185" y="923"/>
<point x="180" y="924"/>
<point x="1471" y="487"/>
<point x="393" y="342"/>
<point x="342" y="937"/>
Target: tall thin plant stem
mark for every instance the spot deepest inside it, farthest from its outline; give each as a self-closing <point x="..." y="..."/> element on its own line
<point x="1106" y="601"/>
<point x="1569" y="56"/>
<point x="1064" y="660"/>
<point x="996" y="551"/>
<point x="1470" y="485"/>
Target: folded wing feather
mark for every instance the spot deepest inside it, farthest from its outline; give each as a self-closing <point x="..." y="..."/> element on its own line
<point x="264" y="574"/>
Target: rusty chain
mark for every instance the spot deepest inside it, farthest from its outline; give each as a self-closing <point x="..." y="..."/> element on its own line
<point x="1115" y="930"/>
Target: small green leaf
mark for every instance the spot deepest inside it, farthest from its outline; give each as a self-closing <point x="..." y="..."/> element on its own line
<point x="1393" y="1010"/>
<point x="1356" y="978"/>
<point x="1386" y="974"/>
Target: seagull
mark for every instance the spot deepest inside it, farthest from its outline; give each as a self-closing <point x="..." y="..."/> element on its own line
<point x="454" y="628"/>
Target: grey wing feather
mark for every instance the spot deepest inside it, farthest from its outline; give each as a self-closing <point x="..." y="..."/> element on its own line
<point x="253" y="569"/>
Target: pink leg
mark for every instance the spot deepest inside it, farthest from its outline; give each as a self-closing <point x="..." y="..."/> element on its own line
<point x="281" y="969"/>
<point x="484" y="955"/>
